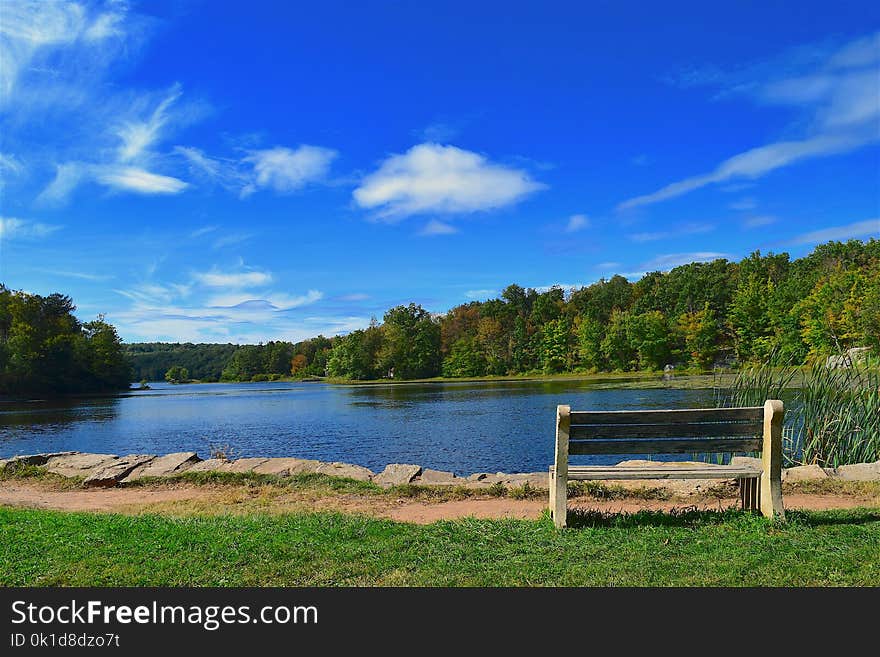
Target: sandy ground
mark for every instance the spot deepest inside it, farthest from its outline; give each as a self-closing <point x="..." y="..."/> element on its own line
<point x="200" y="499"/>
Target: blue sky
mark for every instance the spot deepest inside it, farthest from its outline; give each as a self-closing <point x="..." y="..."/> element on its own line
<point x="213" y="172"/>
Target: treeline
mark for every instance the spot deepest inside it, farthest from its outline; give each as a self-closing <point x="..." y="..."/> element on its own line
<point x="44" y="349"/>
<point x="151" y="360"/>
<point x="695" y="316"/>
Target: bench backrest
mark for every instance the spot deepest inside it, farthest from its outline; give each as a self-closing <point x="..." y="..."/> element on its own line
<point x="662" y="431"/>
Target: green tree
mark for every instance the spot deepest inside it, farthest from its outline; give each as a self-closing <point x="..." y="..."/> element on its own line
<point x="411" y="347"/>
<point x="589" y="343"/>
<point x="556" y="348"/>
<point x="831" y="316"/>
<point x="648" y="334"/>
<point x="177" y="374"/>
<point x="464" y="359"/>
<point x="702" y="336"/>
<point x="617" y="350"/>
<point x="105" y="359"/>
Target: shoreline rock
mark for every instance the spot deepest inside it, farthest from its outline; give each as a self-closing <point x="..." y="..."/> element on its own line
<point x="106" y="470"/>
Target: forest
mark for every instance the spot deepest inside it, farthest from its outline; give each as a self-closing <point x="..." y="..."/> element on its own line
<point x="44" y="349"/>
<point x="695" y="317"/>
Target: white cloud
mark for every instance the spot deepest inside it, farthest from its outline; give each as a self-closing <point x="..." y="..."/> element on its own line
<point x="67" y="177"/>
<point x="204" y="230"/>
<point x="577" y="222"/>
<point x="747" y="203"/>
<point x="441" y="179"/>
<point x="607" y="266"/>
<point x="139" y="135"/>
<point x="199" y="161"/>
<point x="235" y="317"/>
<point x="481" y="295"/>
<point x="754" y="163"/>
<point x="216" y="278"/>
<point x="286" y="170"/>
<point x="836" y="95"/>
<point x="869" y="228"/>
<point x="434" y="228"/>
<point x="140" y="181"/>
<point x="759" y="220"/>
<point x="271" y="301"/>
<point x="76" y="274"/>
<point x="9" y="163"/>
<point x="672" y="260"/>
<point x="230" y="240"/>
<point x="688" y="229"/>
<point x="357" y="296"/>
<point x="12" y="228"/>
<point x="438" y="132"/>
<point x="564" y="286"/>
<point x="28" y="27"/>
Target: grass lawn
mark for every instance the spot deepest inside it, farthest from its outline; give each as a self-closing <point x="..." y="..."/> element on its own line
<point x="730" y="548"/>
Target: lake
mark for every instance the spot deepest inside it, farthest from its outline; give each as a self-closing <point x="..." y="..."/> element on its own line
<point x="463" y="427"/>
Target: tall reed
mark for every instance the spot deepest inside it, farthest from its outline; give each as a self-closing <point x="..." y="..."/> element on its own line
<point x="832" y="415"/>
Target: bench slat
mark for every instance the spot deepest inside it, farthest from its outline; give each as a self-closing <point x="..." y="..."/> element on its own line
<point x="692" y="430"/>
<point x="750" y="413"/>
<point x="587" y="472"/>
<point x="668" y="446"/>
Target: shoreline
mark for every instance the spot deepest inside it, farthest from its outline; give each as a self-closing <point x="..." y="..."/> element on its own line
<point x="110" y="470"/>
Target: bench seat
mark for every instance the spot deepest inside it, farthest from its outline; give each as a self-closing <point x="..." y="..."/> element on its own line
<point x="591" y="472"/>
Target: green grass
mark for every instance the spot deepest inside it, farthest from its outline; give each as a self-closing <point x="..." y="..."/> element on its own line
<point x="645" y="549"/>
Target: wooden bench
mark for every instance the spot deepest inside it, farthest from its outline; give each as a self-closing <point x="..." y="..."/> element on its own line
<point x="695" y="431"/>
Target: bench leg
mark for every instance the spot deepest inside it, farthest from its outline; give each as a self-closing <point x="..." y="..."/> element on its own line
<point x="559" y="479"/>
<point x="771" y="458"/>
<point x="559" y="500"/>
<point x="749" y="491"/>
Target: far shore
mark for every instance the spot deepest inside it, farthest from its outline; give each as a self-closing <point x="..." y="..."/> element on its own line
<point x="612" y="379"/>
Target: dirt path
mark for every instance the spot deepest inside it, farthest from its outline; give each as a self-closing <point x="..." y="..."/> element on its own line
<point x="200" y="499"/>
<point x="508" y="508"/>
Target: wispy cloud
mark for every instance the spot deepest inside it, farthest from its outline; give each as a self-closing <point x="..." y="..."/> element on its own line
<point x="687" y="229"/>
<point x="759" y="220"/>
<point x="480" y="295"/>
<point x="441" y="179"/>
<point x="136" y="136"/>
<point x="269" y="301"/>
<point x="204" y="230"/>
<point x="607" y="266"/>
<point x="439" y="132"/>
<point x="838" y="97"/>
<point x="85" y="276"/>
<point x="869" y="228"/>
<point x="287" y="170"/>
<point x="434" y="228"/>
<point x="30" y="30"/>
<point x="12" y="228"/>
<point x="231" y="240"/>
<point x="755" y="163"/>
<point x="140" y="181"/>
<point x="356" y="296"/>
<point x="747" y="203"/>
<point x="217" y="278"/>
<point x="577" y="222"/>
<point x="158" y="313"/>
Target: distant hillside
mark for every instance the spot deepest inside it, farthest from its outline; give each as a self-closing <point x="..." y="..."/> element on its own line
<point x="150" y="360"/>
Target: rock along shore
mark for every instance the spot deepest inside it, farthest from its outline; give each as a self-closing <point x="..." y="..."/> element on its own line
<point x="106" y="470"/>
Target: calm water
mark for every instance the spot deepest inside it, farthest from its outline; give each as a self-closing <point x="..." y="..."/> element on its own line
<point x="463" y="427"/>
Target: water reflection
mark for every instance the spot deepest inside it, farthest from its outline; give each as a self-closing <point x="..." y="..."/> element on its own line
<point x="464" y="427"/>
